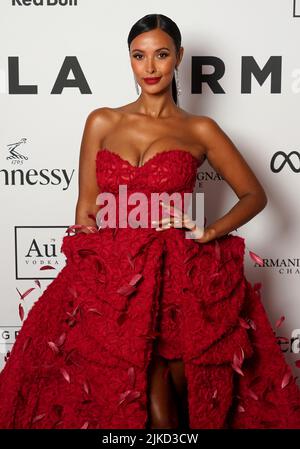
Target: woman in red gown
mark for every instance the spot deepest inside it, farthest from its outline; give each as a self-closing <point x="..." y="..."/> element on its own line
<point x="143" y="327"/>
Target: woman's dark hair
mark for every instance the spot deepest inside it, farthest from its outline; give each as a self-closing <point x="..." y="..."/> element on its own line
<point x="151" y="22"/>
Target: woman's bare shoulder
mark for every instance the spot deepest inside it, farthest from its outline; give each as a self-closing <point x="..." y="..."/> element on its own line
<point x="101" y="120"/>
<point x="102" y="113"/>
<point x="202" y="126"/>
<point x="202" y="120"/>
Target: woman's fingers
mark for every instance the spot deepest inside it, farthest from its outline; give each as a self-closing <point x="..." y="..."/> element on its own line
<point x="166" y="220"/>
<point x="174" y="211"/>
<point x="175" y="218"/>
<point x="186" y="220"/>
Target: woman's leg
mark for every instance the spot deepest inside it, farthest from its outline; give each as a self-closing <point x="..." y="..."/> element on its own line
<point x="163" y="408"/>
<point x="179" y="380"/>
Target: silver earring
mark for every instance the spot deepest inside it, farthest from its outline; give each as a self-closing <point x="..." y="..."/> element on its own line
<point x="178" y="87"/>
<point x="136" y="86"/>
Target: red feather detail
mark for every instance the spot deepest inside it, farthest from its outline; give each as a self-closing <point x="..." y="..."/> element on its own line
<point x="53" y="346"/>
<point x="61" y="339"/>
<point x="282" y="339"/>
<point x="37" y="282"/>
<point x="135" y="279"/>
<point x="286" y="379"/>
<point x="128" y="396"/>
<point x="252" y="324"/>
<point x="238" y="361"/>
<point x="27" y="292"/>
<point x="95" y="311"/>
<point x="21" y="312"/>
<point x="126" y="289"/>
<point x="131" y="375"/>
<point x="279" y="322"/>
<point x="257" y="259"/>
<point x="214" y="400"/>
<point x="252" y="394"/>
<point x="38" y="417"/>
<point x="130" y="260"/>
<point x="28" y="339"/>
<point x="244" y="323"/>
<point x="86" y="387"/>
<point x="65" y="374"/>
<point x="247" y="323"/>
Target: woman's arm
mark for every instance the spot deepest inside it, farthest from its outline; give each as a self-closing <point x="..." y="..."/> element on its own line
<point x="225" y="158"/>
<point x="94" y="129"/>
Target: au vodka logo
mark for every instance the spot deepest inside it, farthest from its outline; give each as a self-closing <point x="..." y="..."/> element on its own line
<point x="37" y="247"/>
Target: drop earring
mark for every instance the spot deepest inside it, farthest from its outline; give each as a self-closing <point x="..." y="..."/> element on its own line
<point x="136" y="86"/>
<point x="178" y="87"/>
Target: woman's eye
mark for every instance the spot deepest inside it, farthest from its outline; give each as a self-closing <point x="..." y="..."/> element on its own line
<point x="160" y="54"/>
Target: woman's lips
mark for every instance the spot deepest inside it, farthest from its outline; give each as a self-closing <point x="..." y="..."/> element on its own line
<point x="152" y="80"/>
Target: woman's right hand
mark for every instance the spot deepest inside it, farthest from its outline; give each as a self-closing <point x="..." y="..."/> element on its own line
<point x="77" y="229"/>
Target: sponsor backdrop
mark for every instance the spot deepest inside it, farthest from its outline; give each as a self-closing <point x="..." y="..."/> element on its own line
<point x="60" y="60"/>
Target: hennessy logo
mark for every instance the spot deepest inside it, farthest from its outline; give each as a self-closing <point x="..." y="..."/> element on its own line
<point x="29" y="176"/>
<point x="15" y="154"/>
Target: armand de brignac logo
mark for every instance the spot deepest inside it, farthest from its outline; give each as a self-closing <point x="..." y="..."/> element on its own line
<point x="14" y="154"/>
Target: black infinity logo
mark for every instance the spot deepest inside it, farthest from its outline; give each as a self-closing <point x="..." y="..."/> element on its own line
<point x="286" y="160"/>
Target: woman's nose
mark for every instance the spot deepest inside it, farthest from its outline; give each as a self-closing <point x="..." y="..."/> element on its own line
<point x="150" y="66"/>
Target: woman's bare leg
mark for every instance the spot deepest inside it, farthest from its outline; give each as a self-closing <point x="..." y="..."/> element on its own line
<point x="179" y="380"/>
<point x="163" y="407"/>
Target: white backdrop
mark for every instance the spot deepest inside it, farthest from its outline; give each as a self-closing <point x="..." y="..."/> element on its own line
<point x="57" y="63"/>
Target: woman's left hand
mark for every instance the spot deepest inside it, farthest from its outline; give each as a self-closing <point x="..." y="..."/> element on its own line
<point x="178" y="219"/>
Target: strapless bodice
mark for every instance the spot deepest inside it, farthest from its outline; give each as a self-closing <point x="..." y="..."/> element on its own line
<point x="169" y="171"/>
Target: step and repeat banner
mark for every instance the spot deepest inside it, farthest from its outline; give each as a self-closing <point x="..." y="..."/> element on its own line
<point x="59" y="60"/>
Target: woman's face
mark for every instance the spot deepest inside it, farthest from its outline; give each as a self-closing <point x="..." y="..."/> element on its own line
<point x="153" y="54"/>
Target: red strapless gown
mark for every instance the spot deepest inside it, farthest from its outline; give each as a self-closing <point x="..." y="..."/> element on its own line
<point x="126" y="292"/>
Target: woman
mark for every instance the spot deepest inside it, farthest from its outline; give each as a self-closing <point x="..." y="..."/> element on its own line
<point x="147" y="329"/>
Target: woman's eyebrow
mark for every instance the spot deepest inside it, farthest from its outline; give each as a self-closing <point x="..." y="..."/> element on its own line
<point x="163" y="48"/>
